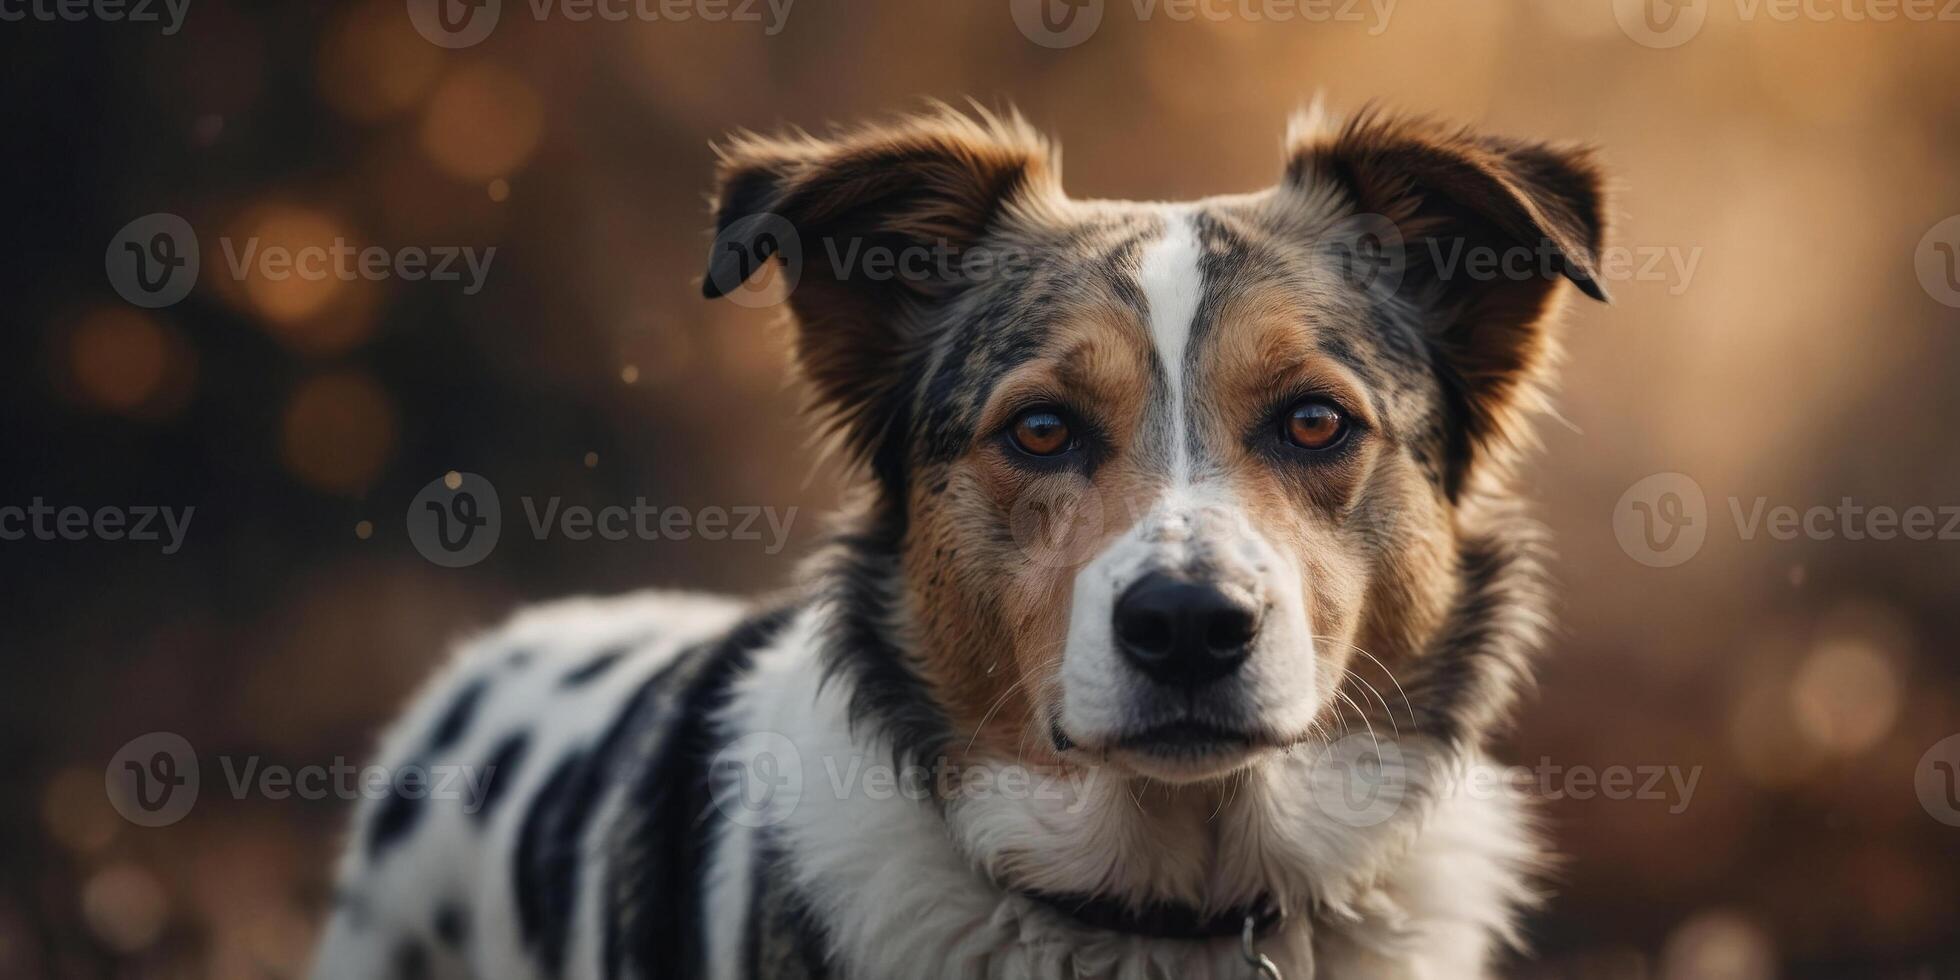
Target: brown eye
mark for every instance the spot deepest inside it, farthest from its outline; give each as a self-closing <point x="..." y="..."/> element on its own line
<point x="1314" y="424"/>
<point x="1042" y="433"/>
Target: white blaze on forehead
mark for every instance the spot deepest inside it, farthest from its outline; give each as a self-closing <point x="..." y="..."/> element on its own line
<point x="1172" y="284"/>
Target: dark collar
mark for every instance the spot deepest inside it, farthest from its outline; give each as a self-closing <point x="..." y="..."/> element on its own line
<point x="1161" y="920"/>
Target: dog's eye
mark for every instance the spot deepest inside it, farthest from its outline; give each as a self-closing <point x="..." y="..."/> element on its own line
<point x="1042" y="432"/>
<point x="1314" y="424"/>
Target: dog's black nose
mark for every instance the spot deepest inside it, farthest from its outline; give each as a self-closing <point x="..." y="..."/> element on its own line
<point x="1181" y="632"/>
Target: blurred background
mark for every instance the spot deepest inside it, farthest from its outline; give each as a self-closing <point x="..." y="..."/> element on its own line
<point x="1784" y="335"/>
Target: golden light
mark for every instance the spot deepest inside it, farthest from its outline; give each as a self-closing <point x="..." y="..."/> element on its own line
<point x="364" y="530"/>
<point x="1845" y="696"/>
<point x="285" y="253"/>
<point x="125" y="907"/>
<point x="338" y="432"/>
<point x="630" y="374"/>
<point x="371" y="67"/>
<point x="499" y="190"/>
<point x="482" y="122"/>
<point x="117" y="357"/>
<point x="591" y="461"/>
<point x="1718" y="944"/>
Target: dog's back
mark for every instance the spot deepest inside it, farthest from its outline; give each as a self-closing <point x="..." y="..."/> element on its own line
<point x="467" y="856"/>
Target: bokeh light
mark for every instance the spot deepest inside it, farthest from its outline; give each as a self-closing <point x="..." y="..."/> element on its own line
<point x="482" y="122"/>
<point x="119" y="359"/>
<point x="1719" y="944"/>
<point x="370" y="69"/>
<point x="338" y="432"/>
<point x="126" y="907"/>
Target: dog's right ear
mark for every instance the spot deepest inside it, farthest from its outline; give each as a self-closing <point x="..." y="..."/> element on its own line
<point x="835" y="213"/>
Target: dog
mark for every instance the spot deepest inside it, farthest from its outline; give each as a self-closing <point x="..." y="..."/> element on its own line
<point x="1081" y="685"/>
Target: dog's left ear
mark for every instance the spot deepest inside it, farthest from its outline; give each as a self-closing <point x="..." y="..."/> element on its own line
<point x="836" y="212"/>
<point x="1488" y="228"/>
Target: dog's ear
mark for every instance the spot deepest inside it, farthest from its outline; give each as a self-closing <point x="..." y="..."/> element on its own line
<point x="870" y="228"/>
<point x="1487" y="228"/>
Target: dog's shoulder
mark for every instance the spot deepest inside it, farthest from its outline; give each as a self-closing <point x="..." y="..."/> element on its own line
<point x="481" y="761"/>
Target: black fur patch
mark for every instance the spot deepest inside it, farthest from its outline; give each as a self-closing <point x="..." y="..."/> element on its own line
<point x="392" y="822"/>
<point x="541" y="865"/>
<point x="411" y="961"/>
<point x="456" y="719"/>
<point x="399" y="813"/>
<point x="593" y="669"/>
<point x="654" y="919"/>
<point x="500" y="773"/>
<point x="452" y="925"/>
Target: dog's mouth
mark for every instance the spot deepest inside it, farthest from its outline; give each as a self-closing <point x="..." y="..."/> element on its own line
<point x="1181" y="749"/>
<point x="1186" y="738"/>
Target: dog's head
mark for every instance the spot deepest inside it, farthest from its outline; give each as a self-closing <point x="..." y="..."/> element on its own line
<point x="1158" y="473"/>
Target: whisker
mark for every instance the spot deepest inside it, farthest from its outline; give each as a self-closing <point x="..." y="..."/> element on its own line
<point x="1363" y="681"/>
<point x="1384" y="669"/>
